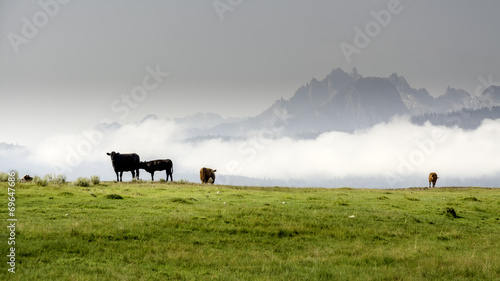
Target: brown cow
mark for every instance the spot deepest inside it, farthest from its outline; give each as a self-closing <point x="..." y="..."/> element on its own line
<point x="433" y="177"/>
<point x="207" y="175"/>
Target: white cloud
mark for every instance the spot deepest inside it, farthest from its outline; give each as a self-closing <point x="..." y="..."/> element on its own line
<point x="397" y="151"/>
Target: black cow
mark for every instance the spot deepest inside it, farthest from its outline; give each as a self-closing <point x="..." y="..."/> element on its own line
<point x="158" y="165"/>
<point x="124" y="163"/>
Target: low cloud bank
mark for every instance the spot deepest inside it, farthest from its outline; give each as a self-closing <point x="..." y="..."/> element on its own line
<point x="388" y="155"/>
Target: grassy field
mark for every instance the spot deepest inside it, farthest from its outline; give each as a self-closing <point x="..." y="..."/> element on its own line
<point x="169" y="231"/>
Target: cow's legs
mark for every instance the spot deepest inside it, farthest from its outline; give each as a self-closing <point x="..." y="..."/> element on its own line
<point x="117" y="179"/>
<point x="153" y="176"/>
<point x="133" y="174"/>
<point x="137" y="171"/>
<point x="121" y="175"/>
<point x="169" y="174"/>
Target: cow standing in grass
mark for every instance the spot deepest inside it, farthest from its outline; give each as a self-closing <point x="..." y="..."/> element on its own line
<point x="26" y="178"/>
<point x="158" y="165"/>
<point x="433" y="177"/>
<point x="125" y="163"/>
<point x="207" y="175"/>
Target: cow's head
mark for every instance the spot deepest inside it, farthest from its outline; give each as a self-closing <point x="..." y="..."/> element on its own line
<point x="212" y="176"/>
<point x="113" y="154"/>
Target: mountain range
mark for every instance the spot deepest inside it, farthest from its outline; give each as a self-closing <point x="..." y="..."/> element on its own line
<point x="348" y="101"/>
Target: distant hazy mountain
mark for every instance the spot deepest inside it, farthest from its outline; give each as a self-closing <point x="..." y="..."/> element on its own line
<point x="490" y="96"/>
<point x="469" y="119"/>
<point x="455" y="99"/>
<point x="149" y="117"/>
<point x="205" y="120"/>
<point x="418" y="101"/>
<point x="468" y="111"/>
<point x="347" y="101"/>
<point x="342" y="102"/>
<point x="108" y="127"/>
<point x="11" y="147"/>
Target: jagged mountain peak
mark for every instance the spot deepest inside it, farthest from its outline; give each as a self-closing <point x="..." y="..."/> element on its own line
<point x="344" y="101"/>
<point x="453" y="92"/>
<point x="455" y="99"/>
<point x="490" y="96"/>
<point x="354" y="74"/>
<point x="418" y="101"/>
<point x="400" y="82"/>
<point x="340" y="101"/>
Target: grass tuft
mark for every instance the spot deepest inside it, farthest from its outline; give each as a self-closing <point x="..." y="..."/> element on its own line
<point x="113" y="196"/>
<point x="182" y="200"/>
<point x="65" y="193"/>
<point x="83" y="182"/>
<point x="471" y="198"/>
<point x="41" y="182"/>
<point x="451" y="213"/>
<point x="60" y="179"/>
<point x="4" y="177"/>
<point x="95" y="180"/>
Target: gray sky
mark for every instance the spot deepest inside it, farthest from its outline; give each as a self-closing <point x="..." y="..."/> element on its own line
<point x="73" y="69"/>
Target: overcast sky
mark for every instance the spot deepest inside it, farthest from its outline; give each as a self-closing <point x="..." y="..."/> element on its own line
<point x="66" y="67"/>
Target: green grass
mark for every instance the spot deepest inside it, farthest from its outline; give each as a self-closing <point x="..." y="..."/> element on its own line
<point x="172" y="231"/>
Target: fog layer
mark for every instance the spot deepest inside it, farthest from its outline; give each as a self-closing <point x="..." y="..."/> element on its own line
<point x="394" y="154"/>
